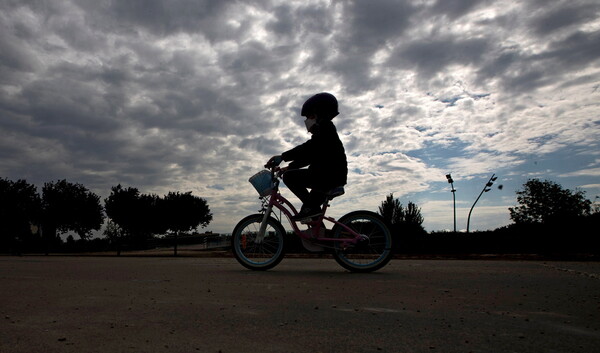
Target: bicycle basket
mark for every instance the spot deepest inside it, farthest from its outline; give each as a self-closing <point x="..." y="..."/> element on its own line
<point x="262" y="182"/>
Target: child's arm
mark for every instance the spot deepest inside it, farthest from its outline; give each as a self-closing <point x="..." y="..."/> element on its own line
<point x="300" y="152"/>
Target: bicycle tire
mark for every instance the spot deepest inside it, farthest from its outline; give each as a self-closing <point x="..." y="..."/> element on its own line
<point x="254" y="256"/>
<point x="369" y="255"/>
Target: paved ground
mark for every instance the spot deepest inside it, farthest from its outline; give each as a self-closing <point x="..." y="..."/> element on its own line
<point x="146" y="304"/>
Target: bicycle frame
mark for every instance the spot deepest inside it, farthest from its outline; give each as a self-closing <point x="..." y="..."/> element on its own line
<point x="278" y="201"/>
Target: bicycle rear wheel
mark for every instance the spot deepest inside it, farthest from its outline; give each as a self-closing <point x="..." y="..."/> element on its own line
<point x="258" y="255"/>
<point x="371" y="254"/>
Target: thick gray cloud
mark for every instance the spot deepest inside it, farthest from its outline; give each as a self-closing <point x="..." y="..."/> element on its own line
<point x="456" y="8"/>
<point x="371" y="24"/>
<point x="196" y="95"/>
<point x="563" y="15"/>
<point x="160" y="18"/>
<point x="429" y="57"/>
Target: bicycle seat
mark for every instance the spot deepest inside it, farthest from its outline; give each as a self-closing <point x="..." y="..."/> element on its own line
<point x="335" y="192"/>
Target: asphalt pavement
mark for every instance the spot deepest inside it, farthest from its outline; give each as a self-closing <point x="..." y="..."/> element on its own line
<point x="163" y="304"/>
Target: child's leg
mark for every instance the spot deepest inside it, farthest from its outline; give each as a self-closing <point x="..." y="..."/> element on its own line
<point x="298" y="181"/>
<point x="316" y="198"/>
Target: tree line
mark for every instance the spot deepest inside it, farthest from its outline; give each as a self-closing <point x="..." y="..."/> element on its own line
<point x="548" y="219"/>
<point x="33" y="221"/>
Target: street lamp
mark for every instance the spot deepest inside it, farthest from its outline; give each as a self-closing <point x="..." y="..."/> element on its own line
<point x="451" y="182"/>
<point x="486" y="188"/>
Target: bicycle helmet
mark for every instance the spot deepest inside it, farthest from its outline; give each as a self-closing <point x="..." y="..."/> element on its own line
<point x="324" y="105"/>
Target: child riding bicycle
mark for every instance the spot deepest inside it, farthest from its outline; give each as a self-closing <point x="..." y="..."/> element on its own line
<point x="359" y="241"/>
<point x="323" y="154"/>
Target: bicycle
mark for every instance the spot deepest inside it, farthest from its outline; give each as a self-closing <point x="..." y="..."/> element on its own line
<point x="359" y="241"/>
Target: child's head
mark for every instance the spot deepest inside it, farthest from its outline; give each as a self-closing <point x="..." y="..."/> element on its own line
<point x="321" y="106"/>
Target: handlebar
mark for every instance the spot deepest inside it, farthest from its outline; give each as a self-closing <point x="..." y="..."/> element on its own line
<point x="273" y="166"/>
<point x="276" y="172"/>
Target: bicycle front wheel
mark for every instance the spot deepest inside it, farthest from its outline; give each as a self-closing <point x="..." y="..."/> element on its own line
<point x="371" y="253"/>
<point x="258" y="254"/>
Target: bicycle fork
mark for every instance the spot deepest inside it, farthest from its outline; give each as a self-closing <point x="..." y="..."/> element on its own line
<point x="263" y="224"/>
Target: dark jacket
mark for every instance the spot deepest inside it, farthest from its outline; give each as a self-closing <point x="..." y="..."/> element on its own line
<point x="324" y="155"/>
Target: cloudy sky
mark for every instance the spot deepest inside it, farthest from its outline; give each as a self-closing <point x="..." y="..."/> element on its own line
<point x="192" y="95"/>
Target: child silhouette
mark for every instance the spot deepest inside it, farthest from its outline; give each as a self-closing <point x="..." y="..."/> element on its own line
<point x="323" y="154"/>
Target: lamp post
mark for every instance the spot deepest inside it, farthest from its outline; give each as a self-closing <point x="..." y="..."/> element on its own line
<point x="451" y="182"/>
<point x="486" y="188"/>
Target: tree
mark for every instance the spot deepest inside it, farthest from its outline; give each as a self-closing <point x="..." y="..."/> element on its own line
<point x="114" y="234"/>
<point x="543" y="202"/>
<point x="405" y="222"/>
<point x="123" y="208"/>
<point x="117" y="205"/>
<point x="412" y="216"/>
<point x="70" y="207"/>
<point x="184" y="212"/>
<point x="20" y="209"/>
<point x="150" y="215"/>
<point x="391" y="210"/>
<point x="140" y="216"/>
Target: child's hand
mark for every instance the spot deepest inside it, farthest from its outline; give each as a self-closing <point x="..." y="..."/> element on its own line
<point x="274" y="161"/>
